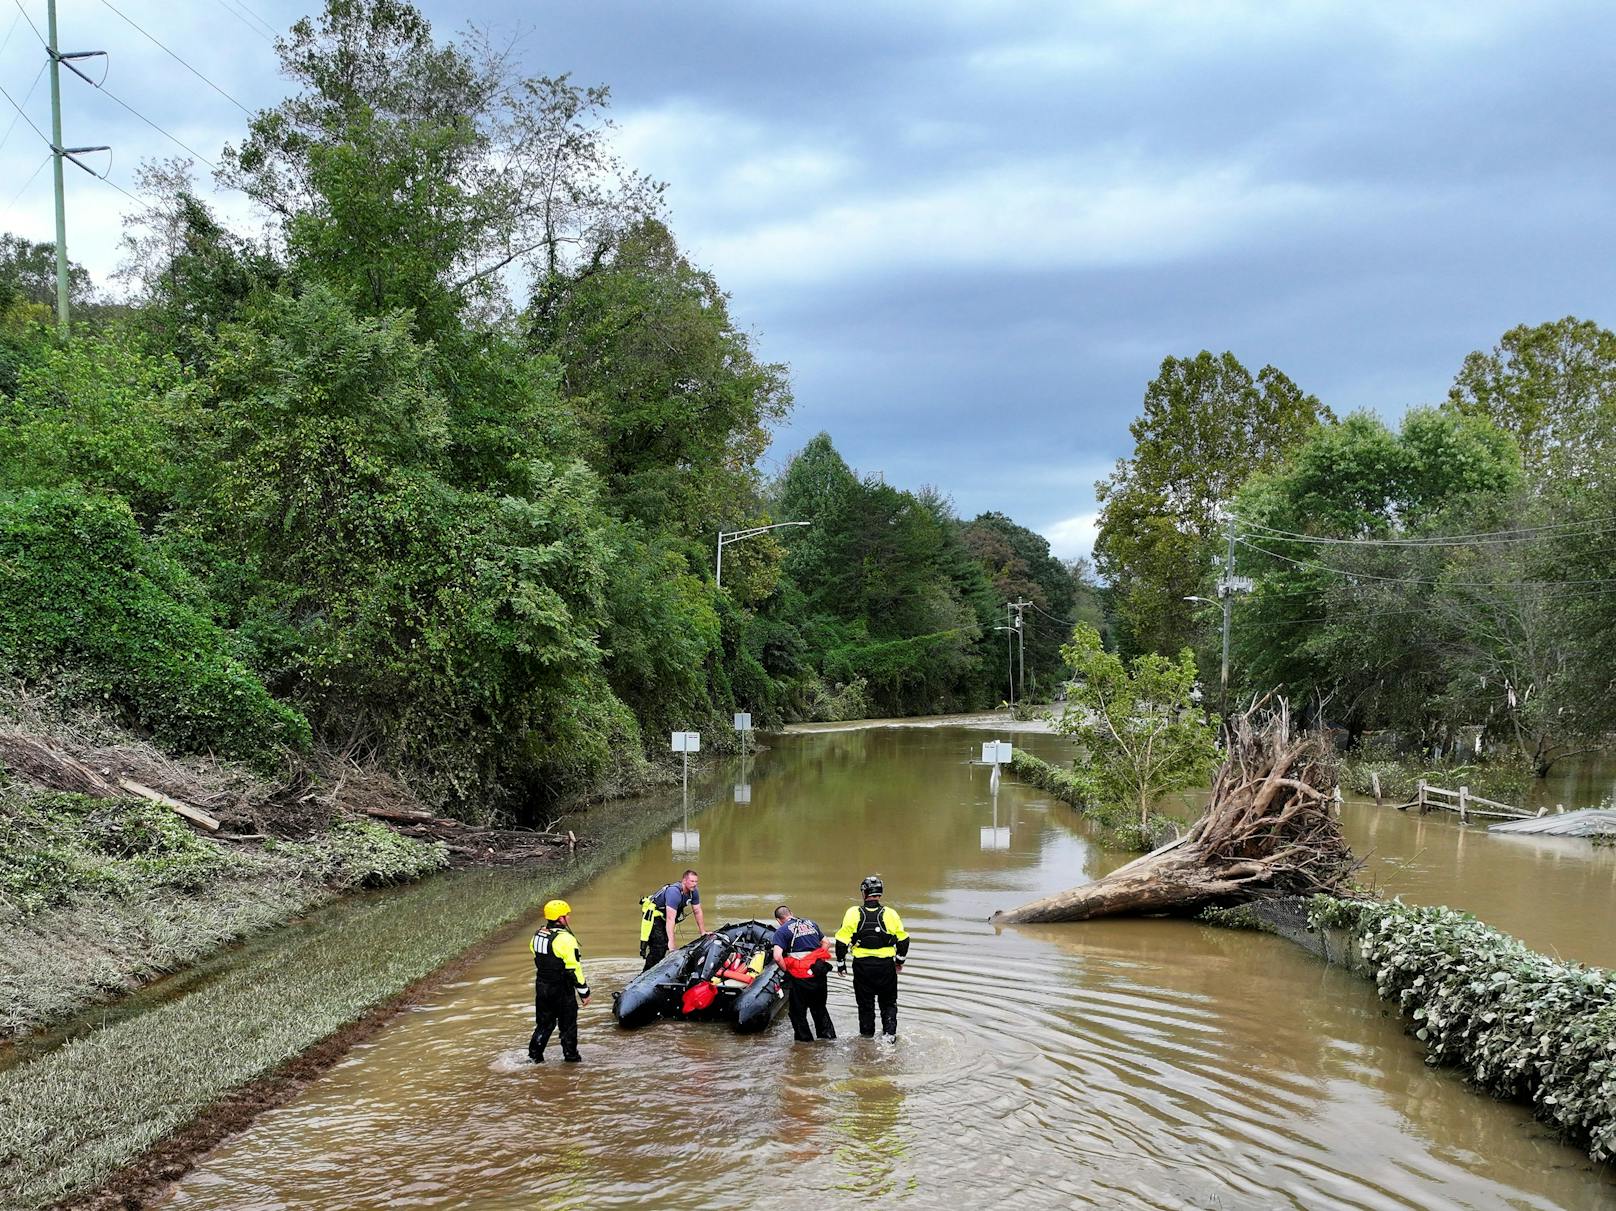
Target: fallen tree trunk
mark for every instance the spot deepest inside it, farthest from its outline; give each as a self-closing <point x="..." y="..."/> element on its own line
<point x="1269" y="831"/>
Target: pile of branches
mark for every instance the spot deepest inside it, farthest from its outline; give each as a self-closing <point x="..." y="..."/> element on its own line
<point x="1269" y="830"/>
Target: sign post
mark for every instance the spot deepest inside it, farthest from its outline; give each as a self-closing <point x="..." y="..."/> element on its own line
<point x="743" y="725"/>
<point x="685" y="743"/>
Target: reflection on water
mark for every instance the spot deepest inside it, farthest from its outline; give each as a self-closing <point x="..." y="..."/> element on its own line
<point x="1119" y="1063"/>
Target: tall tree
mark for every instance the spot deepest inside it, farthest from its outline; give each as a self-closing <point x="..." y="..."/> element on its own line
<point x="1019" y="564"/>
<point x="410" y="175"/>
<point x="1552" y="386"/>
<point x="1207" y="425"/>
<point x="673" y="403"/>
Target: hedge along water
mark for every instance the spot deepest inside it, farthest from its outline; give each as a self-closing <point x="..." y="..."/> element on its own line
<point x="1116" y="1063"/>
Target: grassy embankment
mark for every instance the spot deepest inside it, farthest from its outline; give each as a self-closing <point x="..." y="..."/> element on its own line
<point x="99" y="896"/>
<point x="71" y="1118"/>
<point x="1120" y="825"/>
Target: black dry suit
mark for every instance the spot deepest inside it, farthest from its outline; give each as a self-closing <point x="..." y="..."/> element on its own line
<point x="879" y="942"/>
<point x="558" y="986"/>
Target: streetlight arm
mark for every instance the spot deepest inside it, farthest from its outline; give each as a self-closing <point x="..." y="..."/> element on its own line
<point x="725" y="537"/>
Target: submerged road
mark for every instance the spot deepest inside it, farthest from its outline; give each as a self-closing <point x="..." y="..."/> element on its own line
<point x="1156" y="1064"/>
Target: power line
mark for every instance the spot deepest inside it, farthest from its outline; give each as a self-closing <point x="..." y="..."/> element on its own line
<point x="30" y="21"/>
<point x="175" y="139"/>
<point x="234" y="12"/>
<point x="15" y="197"/>
<point x="25" y="99"/>
<point x="24" y="116"/>
<point x="1568" y="529"/>
<point x="171" y="54"/>
<point x="10" y="29"/>
<point x="1307" y="565"/>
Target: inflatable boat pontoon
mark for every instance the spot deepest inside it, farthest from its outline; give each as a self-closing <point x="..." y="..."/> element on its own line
<point x="728" y="975"/>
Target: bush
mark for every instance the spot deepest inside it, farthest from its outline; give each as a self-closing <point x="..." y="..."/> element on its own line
<point x="82" y="593"/>
<point x="363" y="853"/>
<point x="1521" y="1025"/>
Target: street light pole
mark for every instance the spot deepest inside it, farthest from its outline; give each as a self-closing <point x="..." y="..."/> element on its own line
<point x="725" y="537"/>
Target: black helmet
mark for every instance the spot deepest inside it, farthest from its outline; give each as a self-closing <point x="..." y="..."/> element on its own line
<point x="871" y="886"/>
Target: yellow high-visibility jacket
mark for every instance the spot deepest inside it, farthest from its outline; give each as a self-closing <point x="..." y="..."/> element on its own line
<point x="881" y="937"/>
<point x="557" y="957"/>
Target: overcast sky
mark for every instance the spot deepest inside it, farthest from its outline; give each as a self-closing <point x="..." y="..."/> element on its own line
<point x="975" y="229"/>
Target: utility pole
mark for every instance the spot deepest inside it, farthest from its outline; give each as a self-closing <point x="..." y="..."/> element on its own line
<point x="1020" y="608"/>
<point x="60" y="153"/>
<point x="1226" y="591"/>
<point x="56" y="167"/>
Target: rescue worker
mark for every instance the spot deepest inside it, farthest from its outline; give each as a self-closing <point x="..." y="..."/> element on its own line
<point x="558" y="977"/>
<point x="799" y="949"/>
<point x="875" y="935"/>
<point x="661" y="911"/>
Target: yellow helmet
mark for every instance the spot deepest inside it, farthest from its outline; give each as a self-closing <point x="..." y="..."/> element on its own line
<point x="556" y="909"/>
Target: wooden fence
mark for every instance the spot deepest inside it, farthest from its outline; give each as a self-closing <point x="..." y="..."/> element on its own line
<point x="1430" y="798"/>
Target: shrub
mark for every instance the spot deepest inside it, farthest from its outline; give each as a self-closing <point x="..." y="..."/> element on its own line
<point x="83" y="593"/>
<point x="1521" y="1025"/>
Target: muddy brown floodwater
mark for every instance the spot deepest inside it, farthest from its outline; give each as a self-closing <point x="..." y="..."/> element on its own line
<point x="1142" y="1063"/>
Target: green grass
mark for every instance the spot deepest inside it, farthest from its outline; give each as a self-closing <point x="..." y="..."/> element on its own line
<point x="100" y="896"/>
<point x="72" y="1116"/>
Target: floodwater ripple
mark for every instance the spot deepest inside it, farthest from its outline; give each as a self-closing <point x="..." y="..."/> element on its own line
<point x="1151" y="1064"/>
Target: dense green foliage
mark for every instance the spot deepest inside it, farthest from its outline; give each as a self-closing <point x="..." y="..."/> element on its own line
<point x="1140" y="734"/>
<point x="430" y="469"/>
<point x="1520" y="1024"/>
<point x="1207" y="424"/>
<point x="1410" y="583"/>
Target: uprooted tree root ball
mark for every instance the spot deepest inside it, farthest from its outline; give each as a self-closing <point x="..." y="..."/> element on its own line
<point x="1269" y="831"/>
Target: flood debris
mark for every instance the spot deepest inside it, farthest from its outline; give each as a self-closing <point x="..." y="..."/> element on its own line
<point x="1269" y="830"/>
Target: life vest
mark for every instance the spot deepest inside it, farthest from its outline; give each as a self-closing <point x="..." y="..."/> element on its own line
<point x="802" y="966"/>
<point x="648" y="915"/>
<point x="557" y="958"/>
<point x="872" y="933"/>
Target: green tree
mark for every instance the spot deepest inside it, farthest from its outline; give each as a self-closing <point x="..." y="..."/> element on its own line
<point x="1140" y="732"/>
<point x="1020" y="567"/>
<point x="1354" y="606"/>
<point x="1552" y="386"/>
<point x="1207" y="425"/>
<point x="410" y="175"/>
<point x="674" y="405"/>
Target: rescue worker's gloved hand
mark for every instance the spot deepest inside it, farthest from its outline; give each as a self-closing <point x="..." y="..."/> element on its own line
<point x="841" y="969"/>
<point x="645" y="949"/>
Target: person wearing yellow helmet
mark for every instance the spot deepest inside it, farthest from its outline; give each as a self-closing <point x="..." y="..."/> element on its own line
<point x="558" y="978"/>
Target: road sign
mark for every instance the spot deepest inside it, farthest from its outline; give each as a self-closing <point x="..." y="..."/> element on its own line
<point x="687" y="742"/>
<point x="743" y="721"/>
<point x="996" y="752"/>
<point x="686" y="841"/>
<point x="743" y="792"/>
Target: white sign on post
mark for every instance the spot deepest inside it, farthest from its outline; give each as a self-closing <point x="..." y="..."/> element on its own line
<point x="995" y="838"/>
<point x="996" y="752"/>
<point x="743" y="721"/>
<point x="686" y="841"/>
<point x="687" y="742"/>
<point x="743" y="792"/>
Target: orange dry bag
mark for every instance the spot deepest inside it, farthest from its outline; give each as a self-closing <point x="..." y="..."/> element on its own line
<point x="802" y="966"/>
<point x="700" y="996"/>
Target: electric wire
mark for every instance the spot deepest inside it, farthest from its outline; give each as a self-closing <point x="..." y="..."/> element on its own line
<point x="1313" y="565"/>
<point x="10" y="29"/>
<point x="234" y="12"/>
<point x="1576" y="529"/>
<point x="254" y="14"/>
<point x="31" y="24"/>
<point x="25" y="99"/>
<point x="46" y="141"/>
<point x="171" y="54"/>
<point x="31" y="178"/>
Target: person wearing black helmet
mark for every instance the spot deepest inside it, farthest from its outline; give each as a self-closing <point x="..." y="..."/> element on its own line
<point x="879" y="943"/>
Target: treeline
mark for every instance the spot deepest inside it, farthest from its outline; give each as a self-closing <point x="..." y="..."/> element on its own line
<point x="430" y="469"/>
<point x="1411" y="583"/>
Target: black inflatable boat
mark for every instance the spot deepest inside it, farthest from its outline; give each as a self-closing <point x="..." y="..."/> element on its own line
<point x="728" y="975"/>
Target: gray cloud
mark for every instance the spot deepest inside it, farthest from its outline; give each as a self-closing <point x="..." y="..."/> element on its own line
<point x="974" y="229"/>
